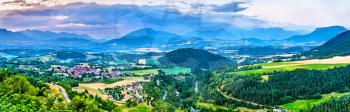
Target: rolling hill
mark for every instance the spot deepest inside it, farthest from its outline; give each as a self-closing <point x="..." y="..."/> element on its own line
<point x="144" y="38"/>
<point x="337" y="46"/>
<point x="194" y="58"/>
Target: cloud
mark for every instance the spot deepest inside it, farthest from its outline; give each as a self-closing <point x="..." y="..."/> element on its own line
<point x="25" y="3"/>
<point x="112" y="21"/>
<point x="230" y="7"/>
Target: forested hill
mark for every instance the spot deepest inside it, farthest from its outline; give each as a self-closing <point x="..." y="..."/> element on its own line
<point x="337" y="46"/>
<point x="195" y="58"/>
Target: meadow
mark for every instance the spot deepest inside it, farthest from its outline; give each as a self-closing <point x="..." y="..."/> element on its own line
<point x="286" y="66"/>
<point x="95" y="88"/>
<point x="299" y="105"/>
<point x="210" y="106"/>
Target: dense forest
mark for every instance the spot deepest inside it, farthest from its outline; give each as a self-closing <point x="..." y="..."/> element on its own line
<point x="194" y="58"/>
<point x="337" y="46"/>
<point x="284" y="87"/>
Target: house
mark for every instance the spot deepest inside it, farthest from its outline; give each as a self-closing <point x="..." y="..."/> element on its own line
<point x="142" y="61"/>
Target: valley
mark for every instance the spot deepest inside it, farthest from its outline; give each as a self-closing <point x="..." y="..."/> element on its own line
<point x="174" y="56"/>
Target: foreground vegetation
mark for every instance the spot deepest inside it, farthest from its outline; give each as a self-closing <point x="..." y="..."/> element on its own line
<point x="20" y="94"/>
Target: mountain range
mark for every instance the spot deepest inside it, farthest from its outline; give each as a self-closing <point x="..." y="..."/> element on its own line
<point x="43" y="39"/>
<point x="320" y="35"/>
<point x="149" y="37"/>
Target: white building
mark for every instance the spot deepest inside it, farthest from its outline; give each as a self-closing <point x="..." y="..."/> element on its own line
<point x="142" y="61"/>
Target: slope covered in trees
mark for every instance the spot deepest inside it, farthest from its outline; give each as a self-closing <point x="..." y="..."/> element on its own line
<point x="335" y="47"/>
<point x="284" y="87"/>
<point x="194" y="58"/>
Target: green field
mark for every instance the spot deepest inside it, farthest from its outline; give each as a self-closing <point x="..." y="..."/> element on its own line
<point x="111" y="80"/>
<point x="272" y="67"/>
<point x="298" y="105"/>
<point x="276" y="64"/>
<point x="210" y="106"/>
<point x="177" y="70"/>
<point x="143" y="72"/>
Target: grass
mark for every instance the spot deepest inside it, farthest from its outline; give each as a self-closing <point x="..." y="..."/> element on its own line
<point x="273" y="67"/>
<point x="111" y="80"/>
<point x="210" y="106"/>
<point x="176" y="70"/>
<point x="144" y="72"/>
<point x="244" y="109"/>
<point x="276" y="64"/>
<point x="139" y="108"/>
<point x="298" y="105"/>
<point x="94" y="88"/>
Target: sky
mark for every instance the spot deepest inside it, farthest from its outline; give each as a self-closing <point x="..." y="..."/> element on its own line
<point x="105" y="19"/>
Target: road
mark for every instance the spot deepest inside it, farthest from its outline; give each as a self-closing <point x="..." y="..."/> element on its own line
<point x="64" y="93"/>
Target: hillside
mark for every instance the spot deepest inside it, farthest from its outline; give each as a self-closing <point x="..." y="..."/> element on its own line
<point x="319" y="35"/>
<point x="194" y="58"/>
<point x="337" y="46"/>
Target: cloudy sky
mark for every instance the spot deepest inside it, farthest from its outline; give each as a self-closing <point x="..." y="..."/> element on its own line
<point x="104" y="19"/>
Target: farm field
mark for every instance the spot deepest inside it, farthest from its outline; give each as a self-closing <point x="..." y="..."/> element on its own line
<point x="298" y="105"/>
<point x="286" y="66"/>
<point x="177" y="70"/>
<point x="94" y="88"/>
<point x="211" y="106"/>
<point x="143" y="72"/>
<point x="111" y="80"/>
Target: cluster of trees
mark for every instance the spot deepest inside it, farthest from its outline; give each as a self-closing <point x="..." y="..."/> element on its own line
<point x="249" y="67"/>
<point x="194" y="58"/>
<point x="18" y="93"/>
<point x="167" y="92"/>
<point x="115" y="92"/>
<point x="284" y="87"/>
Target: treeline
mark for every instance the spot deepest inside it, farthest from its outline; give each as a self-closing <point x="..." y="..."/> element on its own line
<point x="284" y="87"/>
<point x="334" y="105"/>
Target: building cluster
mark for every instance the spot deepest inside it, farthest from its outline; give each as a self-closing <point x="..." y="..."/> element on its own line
<point x="79" y="70"/>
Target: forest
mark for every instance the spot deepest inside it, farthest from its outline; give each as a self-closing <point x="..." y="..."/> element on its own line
<point x="284" y="87"/>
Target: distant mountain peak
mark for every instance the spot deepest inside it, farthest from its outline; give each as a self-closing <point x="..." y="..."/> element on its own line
<point x="318" y="35"/>
<point x="143" y="32"/>
<point x="337" y="46"/>
<point x="338" y="28"/>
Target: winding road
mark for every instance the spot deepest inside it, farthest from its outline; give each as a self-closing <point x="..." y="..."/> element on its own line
<point x="241" y="100"/>
<point x="62" y="91"/>
<point x="65" y="94"/>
